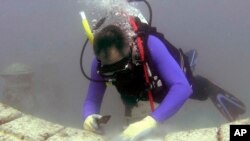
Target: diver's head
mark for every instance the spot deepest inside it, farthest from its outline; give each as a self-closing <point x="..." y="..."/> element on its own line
<point x="112" y="49"/>
<point x="111" y="45"/>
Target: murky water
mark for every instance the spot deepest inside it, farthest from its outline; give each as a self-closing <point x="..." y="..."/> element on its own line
<point x="47" y="36"/>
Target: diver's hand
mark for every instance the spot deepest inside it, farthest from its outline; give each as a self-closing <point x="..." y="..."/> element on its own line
<point x="91" y="122"/>
<point x="138" y="129"/>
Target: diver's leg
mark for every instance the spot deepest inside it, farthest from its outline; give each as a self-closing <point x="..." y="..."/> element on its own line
<point x="200" y="88"/>
<point x="199" y="85"/>
<point x="229" y="106"/>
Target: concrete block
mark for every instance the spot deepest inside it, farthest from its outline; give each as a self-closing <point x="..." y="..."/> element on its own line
<point x="31" y="129"/>
<point x="8" y="114"/>
<point x="206" y="134"/>
<point x="70" y="134"/>
<point x="225" y="129"/>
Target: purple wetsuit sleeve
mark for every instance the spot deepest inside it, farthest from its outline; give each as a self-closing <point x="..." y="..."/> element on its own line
<point x="95" y="93"/>
<point x="172" y="76"/>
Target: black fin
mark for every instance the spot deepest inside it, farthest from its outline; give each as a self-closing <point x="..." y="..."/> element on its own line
<point x="229" y="106"/>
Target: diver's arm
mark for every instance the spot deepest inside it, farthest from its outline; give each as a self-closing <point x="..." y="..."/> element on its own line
<point x="96" y="90"/>
<point x="172" y="76"/>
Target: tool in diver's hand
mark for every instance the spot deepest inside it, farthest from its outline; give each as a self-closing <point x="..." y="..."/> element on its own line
<point x="100" y="122"/>
<point x="103" y="120"/>
<point x="93" y="123"/>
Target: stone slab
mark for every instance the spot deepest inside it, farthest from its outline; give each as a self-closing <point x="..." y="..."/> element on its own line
<point x="70" y="134"/>
<point x="225" y="129"/>
<point x="31" y="129"/>
<point x="205" y="134"/>
<point x="8" y="114"/>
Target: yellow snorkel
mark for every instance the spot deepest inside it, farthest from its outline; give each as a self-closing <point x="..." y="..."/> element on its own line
<point x="86" y="27"/>
<point x="90" y="37"/>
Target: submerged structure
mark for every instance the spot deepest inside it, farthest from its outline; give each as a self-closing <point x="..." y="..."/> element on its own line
<point x="18" y="87"/>
<point x="17" y="126"/>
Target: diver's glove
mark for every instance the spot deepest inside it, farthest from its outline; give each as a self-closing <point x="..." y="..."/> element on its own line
<point x="91" y="122"/>
<point x="138" y="129"/>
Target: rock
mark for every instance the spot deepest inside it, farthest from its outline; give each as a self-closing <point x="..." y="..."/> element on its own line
<point x="16" y="126"/>
<point x="206" y="134"/>
<point x="8" y="137"/>
<point x="8" y="114"/>
<point x="70" y="134"/>
<point x="223" y="134"/>
<point x="31" y="129"/>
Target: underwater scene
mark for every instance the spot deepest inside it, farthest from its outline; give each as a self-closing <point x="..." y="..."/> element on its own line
<point x="124" y="70"/>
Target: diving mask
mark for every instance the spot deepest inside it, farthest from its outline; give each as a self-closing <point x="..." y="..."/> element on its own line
<point x="123" y="66"/>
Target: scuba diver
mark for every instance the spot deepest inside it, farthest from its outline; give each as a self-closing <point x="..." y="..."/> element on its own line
<point x="147" y="67"/>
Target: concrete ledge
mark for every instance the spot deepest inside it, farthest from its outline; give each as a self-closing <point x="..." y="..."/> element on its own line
<point x="16" y="126"/>
<point x="223" y="133"/>
<point x="206" y="134"/>
<point x="70" y="134"/>
<point x="8" y="137"/>
<point x="220" y="133"/>
<point x="30" y="128"/>
<point x="8" y="114"/>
